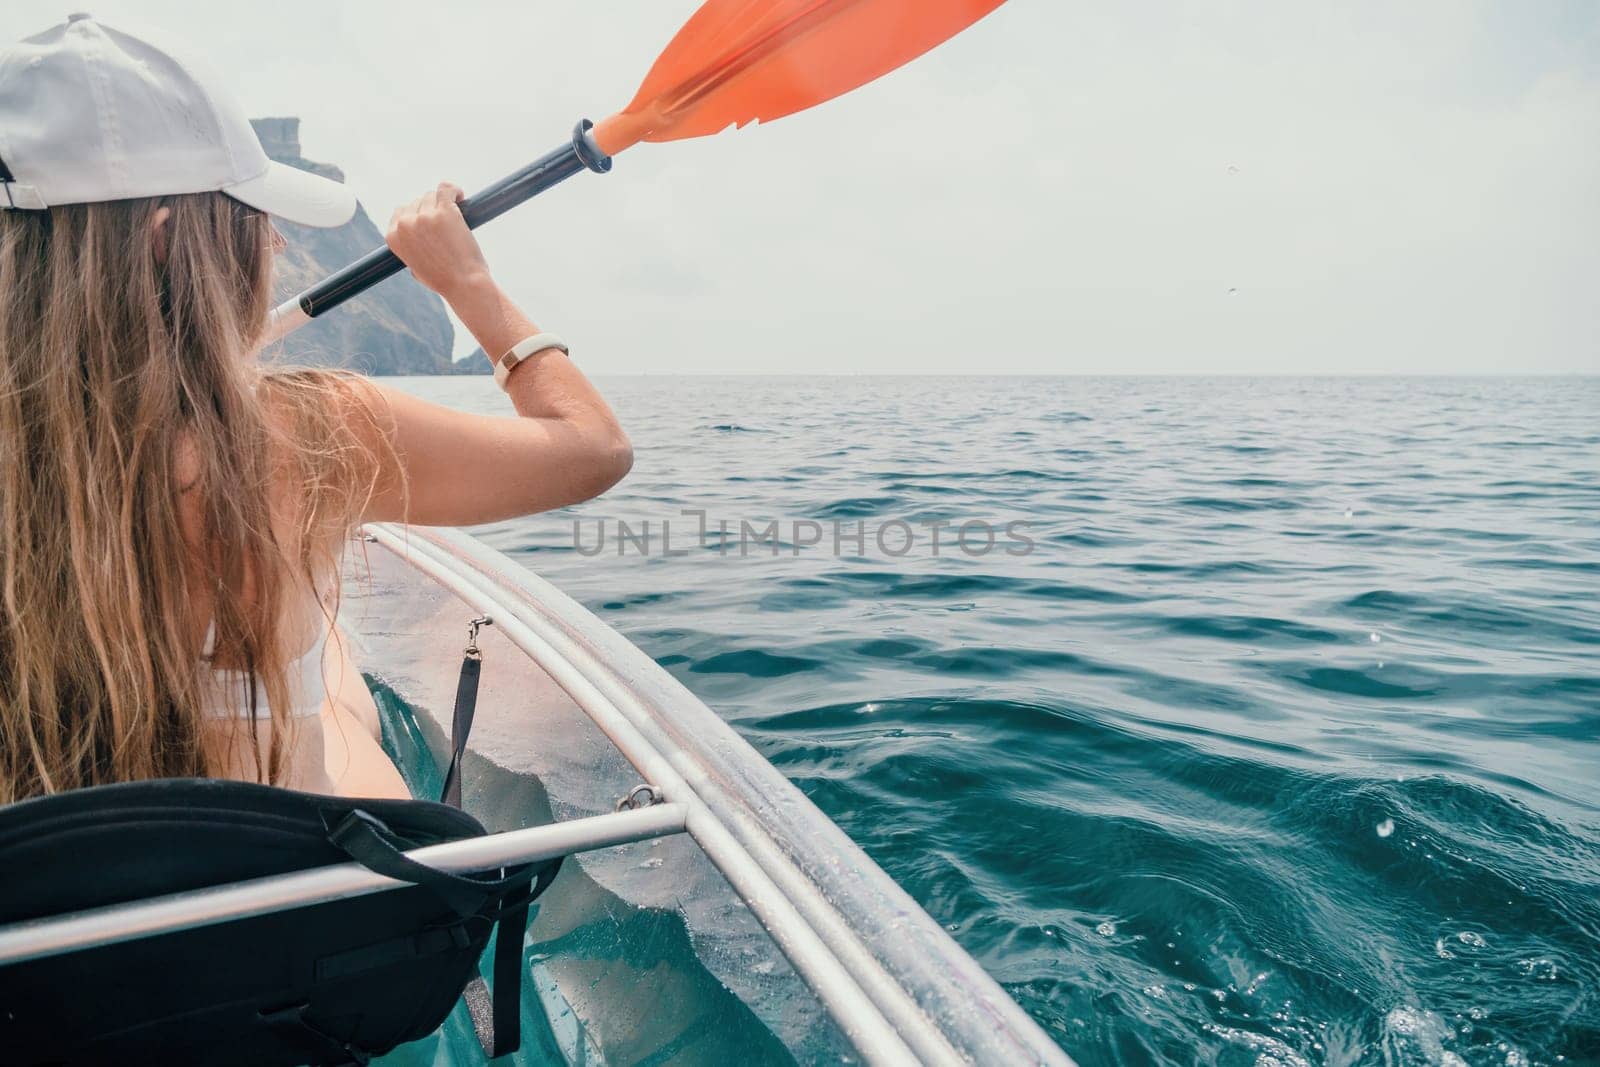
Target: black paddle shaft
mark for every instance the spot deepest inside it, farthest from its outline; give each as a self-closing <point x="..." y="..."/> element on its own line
<point x="579" y="154"/>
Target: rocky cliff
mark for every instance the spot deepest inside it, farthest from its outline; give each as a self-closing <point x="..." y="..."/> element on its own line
<point x="474" y="362"/>
<point x="397" y="327"/>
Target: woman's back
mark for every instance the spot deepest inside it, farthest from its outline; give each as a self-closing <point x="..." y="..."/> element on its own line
<point x="172" y="515"/>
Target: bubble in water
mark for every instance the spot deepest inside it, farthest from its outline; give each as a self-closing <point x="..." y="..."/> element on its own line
<point x="1385" y="828"/>
<point x="1269" y="1051"/>
<point x="1415" y="1035"/>
<point x="1232" y="291"/>
<point x="1470" y="939"/>
<point x="1374" y="638"/>
<point x="1106" y="929"/>
<point x="1348" y="513"/>
<point x="1541" y="967"/>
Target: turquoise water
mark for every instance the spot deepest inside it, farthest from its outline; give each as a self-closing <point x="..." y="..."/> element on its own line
<point x="1278" y="747"/>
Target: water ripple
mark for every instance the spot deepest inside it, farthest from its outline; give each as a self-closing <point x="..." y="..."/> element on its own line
<point x="1281" y="747"/>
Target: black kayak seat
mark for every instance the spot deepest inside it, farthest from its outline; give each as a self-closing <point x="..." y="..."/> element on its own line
<point x="327" y="983"/>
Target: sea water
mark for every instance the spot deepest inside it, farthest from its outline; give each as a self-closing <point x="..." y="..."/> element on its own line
<point x="1232" y="721"/>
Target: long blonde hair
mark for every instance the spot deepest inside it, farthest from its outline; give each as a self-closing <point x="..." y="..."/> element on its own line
<point x="125" y="383"/>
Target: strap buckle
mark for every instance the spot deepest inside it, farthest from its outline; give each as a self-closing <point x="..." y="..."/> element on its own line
<point x="472" y="651"/>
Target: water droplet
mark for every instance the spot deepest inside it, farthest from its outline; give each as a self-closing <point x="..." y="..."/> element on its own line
<point x="1385" y="828"/>
<point x="1348" y="513"/>
<point x="1106" y="929"/>
<point x="1232" y="291"/>
<point x="1374" y="638"/>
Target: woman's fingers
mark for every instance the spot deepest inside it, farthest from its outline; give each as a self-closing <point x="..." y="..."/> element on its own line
<point x="430" y="235"/>
<point x="406" y="212"/>
<point x="446" y="197"/>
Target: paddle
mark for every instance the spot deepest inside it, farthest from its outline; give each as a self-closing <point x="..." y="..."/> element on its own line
<point x="734" y="62"/>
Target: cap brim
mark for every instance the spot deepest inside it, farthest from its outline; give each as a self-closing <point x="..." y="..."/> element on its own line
<point x="297" y="196"/>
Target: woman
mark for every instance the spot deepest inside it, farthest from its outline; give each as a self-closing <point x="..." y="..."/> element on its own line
<point x="172" y="514"/>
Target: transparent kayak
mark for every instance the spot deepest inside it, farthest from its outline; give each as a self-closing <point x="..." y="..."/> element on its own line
<point x="761" y="933"/>
<point x="707" y="911"/>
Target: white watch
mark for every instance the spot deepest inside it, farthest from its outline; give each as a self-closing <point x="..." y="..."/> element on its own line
<point x="521" y="351"/>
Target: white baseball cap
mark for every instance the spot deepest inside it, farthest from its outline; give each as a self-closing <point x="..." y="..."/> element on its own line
<point x="89" y="113"/>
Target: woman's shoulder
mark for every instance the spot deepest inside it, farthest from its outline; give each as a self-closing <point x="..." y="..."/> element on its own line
<point x="330" y="442"/>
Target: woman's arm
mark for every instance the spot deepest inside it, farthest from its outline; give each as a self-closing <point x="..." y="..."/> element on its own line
<point x="456" y="468"/>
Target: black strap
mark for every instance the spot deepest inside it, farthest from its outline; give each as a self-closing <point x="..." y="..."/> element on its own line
<point x="461" y="725"/>
<point x="507" y="1036"/>
<point x="370" y="843"/>
<point x="508" y="980"/>
<point x="496" y="1018"/>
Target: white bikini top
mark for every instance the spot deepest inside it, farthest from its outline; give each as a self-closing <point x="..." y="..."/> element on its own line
<point x="228" y="694"/>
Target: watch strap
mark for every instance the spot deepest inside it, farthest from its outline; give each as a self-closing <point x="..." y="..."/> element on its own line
<point x="520" y="351"/>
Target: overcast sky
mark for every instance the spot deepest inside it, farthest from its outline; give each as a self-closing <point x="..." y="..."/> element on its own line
<point x="1065" y="188"/>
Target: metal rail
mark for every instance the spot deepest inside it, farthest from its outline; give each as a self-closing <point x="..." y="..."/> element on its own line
<point x="864" y="1024"/>
<point x="115" y="923"/>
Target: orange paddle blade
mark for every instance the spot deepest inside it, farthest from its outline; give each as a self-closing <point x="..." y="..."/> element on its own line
<point x="741" y="61"/>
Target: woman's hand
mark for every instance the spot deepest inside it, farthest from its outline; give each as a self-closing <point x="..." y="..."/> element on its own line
<point x="432" y="239"/>
<point x="452" y="468"/>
